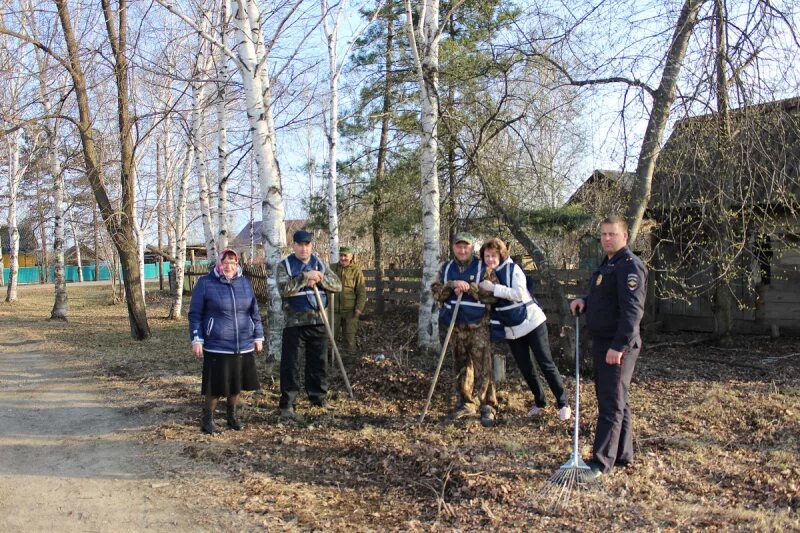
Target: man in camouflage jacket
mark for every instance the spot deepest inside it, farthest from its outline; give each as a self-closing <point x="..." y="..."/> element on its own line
<point x="470" y="341"/>
<point x="350" y="303"/>
<point x="298" y="275"/>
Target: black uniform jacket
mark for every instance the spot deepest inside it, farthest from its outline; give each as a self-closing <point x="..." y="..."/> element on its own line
<point x="615" y="304"/>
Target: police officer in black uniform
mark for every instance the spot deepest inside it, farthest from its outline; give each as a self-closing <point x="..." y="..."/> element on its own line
<point x="614" y="309"/>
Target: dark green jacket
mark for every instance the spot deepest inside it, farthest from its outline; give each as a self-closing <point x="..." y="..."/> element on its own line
<point x="354" y="288"/>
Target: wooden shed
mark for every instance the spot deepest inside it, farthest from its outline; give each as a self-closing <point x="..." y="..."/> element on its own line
<point x="726" y="197"/>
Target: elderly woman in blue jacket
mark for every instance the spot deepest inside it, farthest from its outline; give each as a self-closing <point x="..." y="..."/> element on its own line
<point x="225" y="329"/>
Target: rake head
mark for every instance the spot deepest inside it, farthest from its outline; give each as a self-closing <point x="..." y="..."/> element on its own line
<point x="571" y="476"/>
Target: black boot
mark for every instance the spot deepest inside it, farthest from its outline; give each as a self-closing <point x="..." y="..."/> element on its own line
<point x="232" y="422"/>
<point x="207" y="421"/>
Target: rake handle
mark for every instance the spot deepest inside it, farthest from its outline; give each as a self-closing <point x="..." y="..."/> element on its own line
<point x="575" y="454"/>
<point x="441" y="358"/>
<point x="324" y="316"/>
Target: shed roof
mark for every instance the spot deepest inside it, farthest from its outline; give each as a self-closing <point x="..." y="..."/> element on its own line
<point x="758" y="166"/>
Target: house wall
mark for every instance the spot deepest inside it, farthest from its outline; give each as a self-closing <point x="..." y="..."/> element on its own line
<point x="25" y="260"/>
<point x="779" y="301"/>
<point x="761" y="305"/>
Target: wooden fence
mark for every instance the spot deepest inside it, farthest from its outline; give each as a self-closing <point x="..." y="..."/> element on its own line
<point x="401" y="287"/>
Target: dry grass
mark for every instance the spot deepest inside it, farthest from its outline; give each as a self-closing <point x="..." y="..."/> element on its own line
<point x="717" y="443"/>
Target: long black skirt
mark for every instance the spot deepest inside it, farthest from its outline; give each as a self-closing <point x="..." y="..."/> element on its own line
<point x="228" y="374"/>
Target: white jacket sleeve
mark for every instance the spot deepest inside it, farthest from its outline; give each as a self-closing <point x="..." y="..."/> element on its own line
<point x="518" y="292"/>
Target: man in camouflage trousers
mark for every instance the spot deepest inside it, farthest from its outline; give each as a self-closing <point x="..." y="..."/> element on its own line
<point x="470" y="342"/>
<point x="350" y="303"/>
<point x="304" y="330"/>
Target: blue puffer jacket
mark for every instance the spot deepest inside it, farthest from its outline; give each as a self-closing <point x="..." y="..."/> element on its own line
<point x="223" y="315"/>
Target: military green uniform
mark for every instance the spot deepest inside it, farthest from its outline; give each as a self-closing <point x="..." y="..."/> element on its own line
<point x="352" y="298"/>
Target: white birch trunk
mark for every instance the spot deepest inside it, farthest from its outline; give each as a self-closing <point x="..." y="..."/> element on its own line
<point x="78" y="257"/>
<point x="180" y="233"/>
<point x="332" y="129"/>
<point x="197" y="120"/>
<point x="59" y="311"/>
<point x="425" y="47"/>
<point x="13" y="145"/>
<point x="259" y="114"/>
<point x="201" y="171"/>
<point x="222" y="131"/>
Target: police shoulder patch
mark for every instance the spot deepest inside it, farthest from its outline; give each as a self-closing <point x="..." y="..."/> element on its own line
<point x="633" y="281"/>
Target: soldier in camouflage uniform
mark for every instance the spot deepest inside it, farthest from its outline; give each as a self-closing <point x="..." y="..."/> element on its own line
<point x="304" y="329"/>
<point x="470" y="342"/>
<point x="350" y="303"/>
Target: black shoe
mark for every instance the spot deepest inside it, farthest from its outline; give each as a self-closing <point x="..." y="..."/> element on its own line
<point x="207" y="421"/>
<point x="623" y="464"/>
<point x="322" y="404"/>
<point x="233" y="423"/>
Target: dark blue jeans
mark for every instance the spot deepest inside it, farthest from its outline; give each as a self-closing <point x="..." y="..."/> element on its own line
<point x="536" y="341"/>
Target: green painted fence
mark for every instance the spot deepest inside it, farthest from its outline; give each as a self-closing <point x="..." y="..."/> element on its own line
<point x="28" y="275"/>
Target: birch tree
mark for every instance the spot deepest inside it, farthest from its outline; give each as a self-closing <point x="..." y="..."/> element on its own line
<point x="179" y="232"/>
<point x="425" y="49"/>
<point x="222" y="127"/>
<point x="76" y="240"/>
<point x="13" y="142"/>
<point x="199" y="87"/>
<point x="331" y="29"/>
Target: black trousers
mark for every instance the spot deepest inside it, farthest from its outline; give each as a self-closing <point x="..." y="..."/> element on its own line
<point x="613" y="438"/>
<point x="537" y="342"/>
<point x="314" y="342"/>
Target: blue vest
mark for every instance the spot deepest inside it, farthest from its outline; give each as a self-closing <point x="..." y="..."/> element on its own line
<point x="470" y="311"/>
<point x="304" y="300"/>
<point x="507" y="312"/>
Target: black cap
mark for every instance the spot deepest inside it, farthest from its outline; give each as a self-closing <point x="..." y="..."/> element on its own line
<point x="303" y="236"/>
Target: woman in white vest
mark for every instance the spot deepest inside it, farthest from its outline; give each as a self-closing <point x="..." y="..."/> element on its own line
<point x="524" y="326"/>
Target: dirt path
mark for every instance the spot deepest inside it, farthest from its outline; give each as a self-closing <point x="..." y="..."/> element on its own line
<point x="71" y="462"/>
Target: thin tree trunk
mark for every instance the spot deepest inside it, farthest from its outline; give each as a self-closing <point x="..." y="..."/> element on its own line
<point x="78" y="256"/>
<point x="44" y="270"/>
<point x="96" y="232"/>
<point x="380" y="172"/>
<point x="722" y="302"/>
<point x="332" y="129"/>
<point x="160" y="215"/>
<point x="180" y="234"/>
<point x="425" y="46"/>
<point x="659" y="115"/>
<point x="60" y="304"/>
<point x="201" y="170"/>
<point x="222" y="131"/>
<point x="13" y="144"/>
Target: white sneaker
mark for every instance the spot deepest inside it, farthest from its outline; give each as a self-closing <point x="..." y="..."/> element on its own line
<point x="564" y="413"/>
<point x="535" y="411"/>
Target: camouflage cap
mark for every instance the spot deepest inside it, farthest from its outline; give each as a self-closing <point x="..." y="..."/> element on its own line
<point x="345" y="250"/>
<point x="463" y="236"/>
